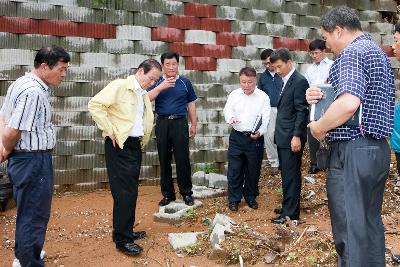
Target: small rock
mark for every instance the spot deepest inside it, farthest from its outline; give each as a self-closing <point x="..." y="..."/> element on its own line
<point x="310" y="194"/>
<point x="269" y="257"/>
<point x="312" y="229"/>
<point x="180" y="240"/>
<point x="309" y="179"/>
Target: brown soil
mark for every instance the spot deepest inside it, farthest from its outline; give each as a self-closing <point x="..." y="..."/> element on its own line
<point x="79" y="231"/>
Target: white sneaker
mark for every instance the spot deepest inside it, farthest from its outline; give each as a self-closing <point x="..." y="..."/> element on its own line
<point x="16" y="262"/>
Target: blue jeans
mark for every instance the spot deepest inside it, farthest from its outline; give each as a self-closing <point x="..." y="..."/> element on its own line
<point x="32" y="176"/>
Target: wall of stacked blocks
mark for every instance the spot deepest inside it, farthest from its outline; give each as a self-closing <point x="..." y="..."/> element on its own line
<point x="107" y="39"/>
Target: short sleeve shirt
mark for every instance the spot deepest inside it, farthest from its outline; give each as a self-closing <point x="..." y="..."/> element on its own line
<point x="173" y="101"/>
<point x="363" y="70"/>
<point x="27" y="108"/>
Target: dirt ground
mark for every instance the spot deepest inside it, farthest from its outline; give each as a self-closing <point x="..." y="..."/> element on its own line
<point x="79" y="231"/>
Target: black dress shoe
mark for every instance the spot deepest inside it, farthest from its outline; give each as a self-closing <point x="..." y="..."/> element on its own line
<point x="130" y="249"/>
<point x="166" y="200"/>
<point x="188" y="200"/>
<point x="252" y="204"/>
<point x="281" y="219"/>
<point x="396" y="258"/>
<point x="278" y="211"/>
<point x="313" y="170"/>
<point x="138" y="235"/>
<point x="233" y="206"/>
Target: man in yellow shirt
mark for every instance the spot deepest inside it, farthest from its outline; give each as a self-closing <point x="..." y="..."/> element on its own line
<point x="122" y="110"/>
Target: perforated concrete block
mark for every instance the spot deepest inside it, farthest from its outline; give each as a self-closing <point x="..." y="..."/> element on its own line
<point x="231" y="65"/>
<point x="257" y="15"/>
<point x="200" y="37"/>
<point x="131" y="60"/>
<point x="79" y="44"/>
<point x="81" y="14"/>
<point x="150" y="47"/>
<point x="98" y="60"/>
<point x="230" y="13"/>
<point x="245" y="53"/>
<point x="149" y="19"/>
<point x="272" y="29"/>
<point x="36" y="41"/>
<point x="259" y="41"/>
<point x="245" y="27"/>
<point x="168" y="7"/>
<point x="286" y="19"/>
<point x="116" y="46"/>
<point x="129" y="32"/>
<point x="270" y="5"/>
<point x="17" y="56"/>
<point x="37" y="11"/>
<point x="256" y="64"/>
<point x="118" y="17"/>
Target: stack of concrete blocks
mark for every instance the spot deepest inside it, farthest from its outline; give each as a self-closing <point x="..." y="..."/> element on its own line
<point x="107" y="39"/>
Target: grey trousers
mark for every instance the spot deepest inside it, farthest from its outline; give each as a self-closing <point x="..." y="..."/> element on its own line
<point x="355" y="184"/>
<point x="270" y="147"/>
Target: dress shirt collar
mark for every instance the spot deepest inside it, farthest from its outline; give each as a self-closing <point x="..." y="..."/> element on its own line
<point x="272" y="73"/>
<point x="40" y="81"/>
<point x="325" y="60"/>
<point x="254" y="92"/>
<point x="134" y="85"/>
<point x="287" y="76"/>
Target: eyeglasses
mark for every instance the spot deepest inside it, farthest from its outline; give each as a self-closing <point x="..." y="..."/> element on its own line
<point x="314" y="53"/>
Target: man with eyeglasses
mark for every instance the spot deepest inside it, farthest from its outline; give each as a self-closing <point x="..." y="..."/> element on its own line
<point x="317" y="73"/>
<point x="271" y="83"/>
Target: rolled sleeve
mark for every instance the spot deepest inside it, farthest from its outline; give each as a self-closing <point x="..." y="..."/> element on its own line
<point x="24" y="113"/>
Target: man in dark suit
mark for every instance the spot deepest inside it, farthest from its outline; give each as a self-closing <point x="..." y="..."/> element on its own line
<point x="290" y="132"/>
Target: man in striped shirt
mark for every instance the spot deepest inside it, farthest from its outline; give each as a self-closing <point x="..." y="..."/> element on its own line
<point x="27" y="138"/>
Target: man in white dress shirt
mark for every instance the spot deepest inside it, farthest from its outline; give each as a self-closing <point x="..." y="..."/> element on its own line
<point x="317" y="73"/>
<point x="243" y="109"/>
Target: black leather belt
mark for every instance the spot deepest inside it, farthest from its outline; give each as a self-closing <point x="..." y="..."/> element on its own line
<point x="245" y="133"/>
<point x="171" y="117"/>
<point x="134" y="138"/>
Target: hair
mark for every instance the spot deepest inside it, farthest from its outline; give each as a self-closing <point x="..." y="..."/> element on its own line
<point x="51" y="55"/>
<point x="149" y="64"/>
<point x="317" y="44"/>
<point x="341" y="16"/>
<point x="266" y="53"/>
<point x="248" y="71"/>
<point x="397" y="28"/>
<point x="280" y="54"/>
<point x="168" y="55"/>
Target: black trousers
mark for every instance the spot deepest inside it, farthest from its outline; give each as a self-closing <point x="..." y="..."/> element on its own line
<point x="173" y="138"/>
<point x="397" y="162"/>
<point x="123" y="169"/>
<point x="244" y="166"/>
<point x="290" y="164"/>
<point x="355" y="184"/>
<point x="313" y="145"/>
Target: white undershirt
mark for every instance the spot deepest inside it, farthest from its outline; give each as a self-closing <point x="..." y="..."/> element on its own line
<point x="138" y="126"/>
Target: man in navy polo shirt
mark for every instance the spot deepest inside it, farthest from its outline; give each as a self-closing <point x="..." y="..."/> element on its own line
<point x="172" y="130"/>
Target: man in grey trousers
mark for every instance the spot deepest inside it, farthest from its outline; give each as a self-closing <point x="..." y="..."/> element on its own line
<point x="360" y="155"/>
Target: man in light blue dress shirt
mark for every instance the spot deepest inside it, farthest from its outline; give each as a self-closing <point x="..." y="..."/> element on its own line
<point x="317" y="73"/>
